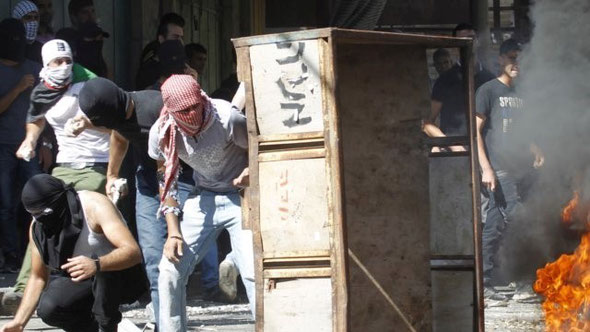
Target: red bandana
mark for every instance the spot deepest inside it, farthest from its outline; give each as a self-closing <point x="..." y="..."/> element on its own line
<point x="186" y="109"/>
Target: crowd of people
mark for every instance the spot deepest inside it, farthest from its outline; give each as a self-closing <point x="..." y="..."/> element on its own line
<point x="66" y="131"/>
<point x="506" y="157"/>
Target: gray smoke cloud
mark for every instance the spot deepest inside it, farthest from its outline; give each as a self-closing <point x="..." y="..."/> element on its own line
<point x="555" y="86"/>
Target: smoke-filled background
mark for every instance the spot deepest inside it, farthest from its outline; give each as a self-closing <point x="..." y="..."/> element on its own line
<point x="555" y="86"/>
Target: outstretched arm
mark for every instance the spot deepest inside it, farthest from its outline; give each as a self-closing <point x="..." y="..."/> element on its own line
<point x="33" y="290"/>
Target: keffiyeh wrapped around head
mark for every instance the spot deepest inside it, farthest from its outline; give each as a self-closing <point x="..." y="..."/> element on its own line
<point x="186" y="109"/>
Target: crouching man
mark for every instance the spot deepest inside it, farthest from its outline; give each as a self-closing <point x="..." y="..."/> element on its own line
<point x="82" y="237"/>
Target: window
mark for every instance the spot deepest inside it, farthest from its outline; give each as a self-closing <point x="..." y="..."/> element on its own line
<point x="501" y="20"/>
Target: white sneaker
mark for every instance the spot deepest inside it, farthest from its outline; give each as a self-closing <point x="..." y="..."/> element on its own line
<point x="149" y="312"/>
<point x="228" y="274"/>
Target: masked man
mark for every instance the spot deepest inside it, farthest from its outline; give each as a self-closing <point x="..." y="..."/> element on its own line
<point x="18" y="77"/>
<point x="28" y="13"/>
<point x="82" y="237"/>
<point x="210" y="136"/>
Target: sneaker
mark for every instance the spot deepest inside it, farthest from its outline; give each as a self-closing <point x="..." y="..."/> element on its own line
<point x="228" y="274"/>
<point x="11" y="301"/>
<point x="11" y="264"/>
<point x="149" y="312"/>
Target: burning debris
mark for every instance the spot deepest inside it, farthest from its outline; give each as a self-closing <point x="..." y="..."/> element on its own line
<point x="565" y="283"/>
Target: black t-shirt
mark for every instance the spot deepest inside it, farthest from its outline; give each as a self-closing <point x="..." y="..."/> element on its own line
<point x="148" y="104"/>
<point x="448" y="89"/>
<point x="149" y="66"/>
<point x="506" y="145"/>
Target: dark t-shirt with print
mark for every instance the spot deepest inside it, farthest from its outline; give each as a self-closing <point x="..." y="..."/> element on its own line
<point x="449" y="90"/>
<point x="502" y="110"/>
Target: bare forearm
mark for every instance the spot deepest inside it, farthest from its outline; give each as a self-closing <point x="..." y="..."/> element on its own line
<point x="120" y="259"/>
<point x="31" y="296"/>
<point x="484" y="162"/>
<point x="432" y="131"/>
<point x="34" y="130"/>
<point x="171" y="218"/>
<point x="117" y="151"/>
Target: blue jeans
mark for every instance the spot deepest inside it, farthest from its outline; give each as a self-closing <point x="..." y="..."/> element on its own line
<point x="500" y="210"/>
<point x="152" y="233"/>
<point x="14" y="173"/>
<point x="205" y="216"/>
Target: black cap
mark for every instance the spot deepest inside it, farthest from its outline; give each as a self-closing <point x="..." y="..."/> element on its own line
<point x="92" y="30"/>
<point x="172" y="57"/>
<point x="510" y="45"/>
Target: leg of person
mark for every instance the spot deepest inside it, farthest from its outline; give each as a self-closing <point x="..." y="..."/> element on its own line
<point x="25" y="271"/>
<point x="8" y="202"/>
<point x="199" y="232"/>
<point x="229" y="212"/>
<point x="502" y="203"/>
<point x="509" y="190"/>
<point x="68" y="305"/>
<point x="228" y="274"/>
<point x="88" y="178"/>
<point x="210" y="263"/>
<point x="491" y="234"/>
<point x="210" y="272"/>
<point x="11" y="300"/>
<point x="151" y="232"/>
<point x="107" y="290"/>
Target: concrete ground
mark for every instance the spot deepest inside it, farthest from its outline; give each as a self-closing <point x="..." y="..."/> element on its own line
<point x="203" y="315"/>
<point x="521" y="313"/>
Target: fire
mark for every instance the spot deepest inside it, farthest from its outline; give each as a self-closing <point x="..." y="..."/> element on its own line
<point x="565" y="284"/>
<point x="567" y="212"/>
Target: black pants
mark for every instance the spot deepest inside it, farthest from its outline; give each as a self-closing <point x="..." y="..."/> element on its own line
<point x="87" y="305"/>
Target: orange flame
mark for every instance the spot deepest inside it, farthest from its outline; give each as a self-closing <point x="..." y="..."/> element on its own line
<point x="565" y="284"/>
<point x="567" y="212"/>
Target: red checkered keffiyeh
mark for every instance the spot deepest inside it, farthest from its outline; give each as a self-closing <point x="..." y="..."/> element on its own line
<point x="186" y="109"/>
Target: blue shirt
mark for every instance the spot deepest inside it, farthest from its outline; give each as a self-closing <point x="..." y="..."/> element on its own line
<point x="12" y="121"/>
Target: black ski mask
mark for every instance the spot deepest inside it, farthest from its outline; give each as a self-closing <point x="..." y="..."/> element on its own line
<point x="58" y="217"/>
<point x="105" y="105"/>
<point x="13" y="40"/>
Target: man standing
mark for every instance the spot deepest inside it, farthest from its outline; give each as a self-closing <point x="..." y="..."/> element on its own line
<point x="210" y="136"/>
<point x="89" y="41"/>
<point x="28" y="13"/>
<point x="171" y="28"/>
<point x="45" y="32"/>
<point x="448" y="94"/>
<point x="501" y="153"/>
<point x="18" y="77"/>
<point x="81" y="12"/>
<point x="196" y="54"/>
<point x="82" y="236"/>
<point x="131" y="115"/>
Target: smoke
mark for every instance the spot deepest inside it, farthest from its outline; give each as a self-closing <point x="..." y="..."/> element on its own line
<point x="555" y="86"/>
<point x="555" y="81"/>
